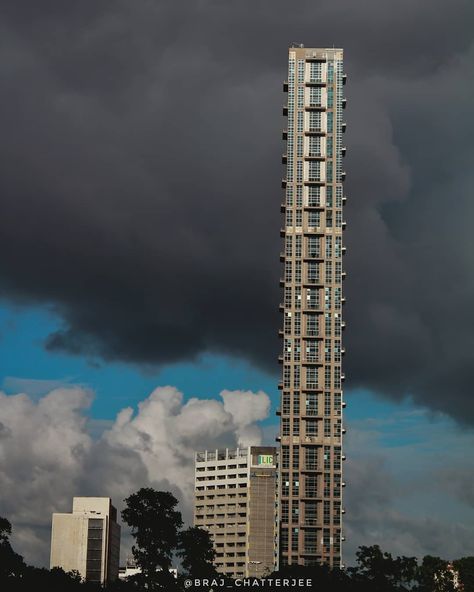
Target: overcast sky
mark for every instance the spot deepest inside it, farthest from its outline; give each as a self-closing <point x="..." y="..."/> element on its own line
<point x="140" y="187"/>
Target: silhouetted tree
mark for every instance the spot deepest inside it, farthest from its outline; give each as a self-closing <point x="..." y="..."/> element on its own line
<point x="154" y="522"/>
<point x="465" y="568"/>
<point x="434" y="575"/>
<point x="11" y="564"/>
<point x="383" y="571"/>
<point x="196" y="552"/>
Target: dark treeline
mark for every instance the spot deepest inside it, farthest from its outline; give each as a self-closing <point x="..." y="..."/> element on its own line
<point x="156" y="527"/>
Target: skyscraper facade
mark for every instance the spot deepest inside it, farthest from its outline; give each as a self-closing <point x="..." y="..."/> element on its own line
<point x="311" y="426"/>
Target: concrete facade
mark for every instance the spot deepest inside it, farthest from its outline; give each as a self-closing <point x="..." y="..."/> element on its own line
<point x="311" y="426"/>
<point x="235" y="500"/>
<point x="87" y="540"/>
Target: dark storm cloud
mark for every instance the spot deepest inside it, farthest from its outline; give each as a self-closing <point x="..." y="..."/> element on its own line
<point x="139" y="186"/>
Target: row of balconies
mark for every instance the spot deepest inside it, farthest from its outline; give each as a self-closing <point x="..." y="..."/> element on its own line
<point x="309" y="82"/>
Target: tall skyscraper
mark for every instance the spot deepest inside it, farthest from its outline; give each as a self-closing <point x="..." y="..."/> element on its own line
<point x="235" y="500"/>
<point x="311" y="425"/>
<point x="88" y="540"/>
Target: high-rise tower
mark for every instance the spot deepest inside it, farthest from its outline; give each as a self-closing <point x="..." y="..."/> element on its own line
<point x="311" y="402"/>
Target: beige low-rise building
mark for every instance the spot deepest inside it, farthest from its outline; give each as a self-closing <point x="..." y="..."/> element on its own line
<point x="235" y="500"/>
<point x="87" y="540"/>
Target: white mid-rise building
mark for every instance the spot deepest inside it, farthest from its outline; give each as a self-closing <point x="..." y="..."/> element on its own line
<point x="87" y="540"/>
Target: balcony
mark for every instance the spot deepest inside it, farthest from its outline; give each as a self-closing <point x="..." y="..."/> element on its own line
<point x="280" y="359"/>
<point x="284" y="134"/>
<point x="313" y="281"/>
<point x="283" y="183"/>
<point x="344" y="404"/>
<point x="343" y="150"/>
<point x="314" y="181"/>
<point x="314" y="131"/>
<point x="282" y="208"/>
<point x="317" y="82"/>
<point x="280" y="333"/>
<point x="282" y="256"/>
<point x="313" y="257"/>
<point x="282" y="232"/>
<point x="315" y="107"/>
<point x="344" y="78"/>
<point x="280" y="386"/>
<point x="344" y="103"/>
<point x="278" y="412"/>
<point x="344" y="249"/>
<point x="312" y="361"/>
<point x="311" y="468"/>
<point x="344" y="127"/>
<point x="285" y="86"/>
<point x="344" y="199"/>
<point x="343" y="176"/>
<point x="282" y="282"/>
<point x="285" y="110"/>
<point x="314" y="156"/>
<point x="284" y="158"/>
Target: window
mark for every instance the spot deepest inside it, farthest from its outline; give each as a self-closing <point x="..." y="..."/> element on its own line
<point x="313" y="271"/>
<point x="314" y="219"/>
<point x="296" y="457"/>
<point x="295" y="512"/>
<point x="296" y="376"/>
<point x="327" y="377"/>
<point x="285" y="403"/>
<point x="284" y="511"/>
<point x="327" y="428"/>
<point x="311" y="404"/>
<point x="327" y="298"/>
<point x="288" y="245"/>
<point x="328" y="270"/>
<point x="299" y="219"/>
<point x="285" y="426"/>
<point x="296" y="426"/>
<point x="329" y="197"/>
<point x="288" y="270"/>
<point x="314" y="198"/>
<point x="295" y="489"/>
<point x="312" y="325"/>
<point x="312" y="378"/>
<point x="311" y="427"/>
<point x="297" y="323"/>
<point x="298" y="248"/>
<point x="311" y="460"/>
<point x="327" y="350"/>
<point x="327" y="403"/>
<point x="296" y="403"/>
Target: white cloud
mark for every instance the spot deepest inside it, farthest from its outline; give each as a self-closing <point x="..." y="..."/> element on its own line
<point x="48" y="455"/>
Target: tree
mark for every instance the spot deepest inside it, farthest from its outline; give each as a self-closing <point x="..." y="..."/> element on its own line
<point x="11" y="564"/>
<point x="383" y="571"/>
<point x="434" y="575"/>
<point x="465" y="568"/>
<point x="154" y="521"/>
<point x="196" y="552"/>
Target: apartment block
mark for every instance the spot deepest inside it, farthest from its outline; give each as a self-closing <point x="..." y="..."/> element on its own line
<point x="235" y="500"/>
<point x="87" y="540"/>
<point x="311" y="425"/>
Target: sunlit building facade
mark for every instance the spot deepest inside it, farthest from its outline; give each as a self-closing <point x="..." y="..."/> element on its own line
<point x="311" y="427"/>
